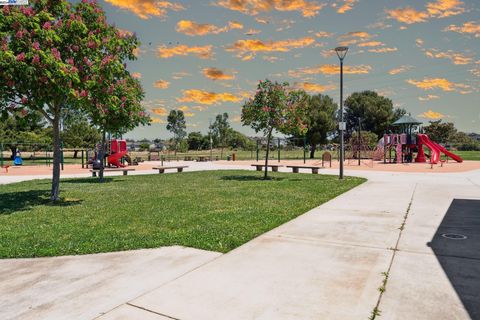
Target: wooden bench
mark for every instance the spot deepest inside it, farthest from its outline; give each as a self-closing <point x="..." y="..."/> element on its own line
<point x="124" y="170"/>
<point x="273" y="166"/>
<point x="153" y="157"/>
<point x="162" y="169"/>
<point x="295" y="169"/>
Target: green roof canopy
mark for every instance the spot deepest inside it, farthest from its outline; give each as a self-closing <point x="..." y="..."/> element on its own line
<point x="406" y="120"/>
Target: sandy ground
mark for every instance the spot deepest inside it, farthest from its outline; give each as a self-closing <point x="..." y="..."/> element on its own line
<point x="450" y="167"/>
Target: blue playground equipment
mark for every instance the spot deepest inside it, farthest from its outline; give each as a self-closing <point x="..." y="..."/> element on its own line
<point x="18" y="159"/>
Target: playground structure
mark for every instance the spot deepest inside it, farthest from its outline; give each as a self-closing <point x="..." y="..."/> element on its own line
<point x="359" y="151"/>
<point x="400" y="147"/>
<point x="118" y="150"/>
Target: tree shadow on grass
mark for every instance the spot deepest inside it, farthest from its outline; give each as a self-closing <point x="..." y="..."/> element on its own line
<point x="251" y="178"/>
<point x="91" y="180"/>
<point x="13" y="202"/>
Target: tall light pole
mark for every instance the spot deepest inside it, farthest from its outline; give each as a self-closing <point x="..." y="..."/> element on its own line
<point x="341" y="53"/>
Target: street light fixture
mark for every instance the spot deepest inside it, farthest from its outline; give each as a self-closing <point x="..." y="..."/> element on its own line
<point x="341" y="53"/>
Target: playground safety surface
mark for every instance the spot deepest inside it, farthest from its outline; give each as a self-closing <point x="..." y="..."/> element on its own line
<point x="366" y="165"/>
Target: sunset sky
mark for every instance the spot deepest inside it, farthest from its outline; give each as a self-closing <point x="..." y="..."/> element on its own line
<point x="206" y="56"/>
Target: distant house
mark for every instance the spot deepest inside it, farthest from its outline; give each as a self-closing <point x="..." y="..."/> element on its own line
<point x="153" y="146"/>
<point x="474" y="136"/>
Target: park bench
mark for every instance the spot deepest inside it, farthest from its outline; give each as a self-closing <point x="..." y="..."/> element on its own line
<point x="124" y="170"/>
<point x="154" y="157"/>
<point x="295" y="169"/>
<point x="162" y="169"/>
<point x="260" y="167"/>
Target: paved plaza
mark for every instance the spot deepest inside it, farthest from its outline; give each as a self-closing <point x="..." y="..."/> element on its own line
<point x="422" y="230"/>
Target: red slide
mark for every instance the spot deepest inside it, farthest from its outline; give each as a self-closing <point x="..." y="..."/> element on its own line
<point x="435" y="152"/>
<point x="115" y="158"/>
<point x="448" y="153"/>
<point x="436" y="149"/>
<point x="119" y="150"/>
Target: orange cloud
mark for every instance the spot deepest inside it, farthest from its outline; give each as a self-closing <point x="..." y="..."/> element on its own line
<point x="330" y="69"/>
<point x="347" y="6"/>
<point x="254" y="7"/>
<point x="145" y="9"/>
<point x="161" y="84"/>
<point x="217" y="74"/>
<point x="203" y="52"/>
<point x="199" y="108"/>
<point x="313" y="87"/>
<point x="160" y="111"/>
<point x="456" y="58"/>
<point x="371" y="44"/>
<point x="158" y="120"/>
<point x="323" y="34"/>
<point x="471" y="28"/>
<point x="247" y="48"/>
<point x="398" y="70"/>
<point x="180" y="75"/>
<point x="436" y="9"/>
<point x="439" y="83"/>
<point x="428" y="97"/>
<point x="208" y="98"/>
<point x="445" y="8"/>
<point x="432" y="115"/>
<point x="137" y="75"/>
<point x="407" y="15"/>
<point x="252" y="32"/>
<point x="383" y="50"/>
<point x="419" y="42"/>
<point x="191" y="28"/>
<point x="353" y="37"/>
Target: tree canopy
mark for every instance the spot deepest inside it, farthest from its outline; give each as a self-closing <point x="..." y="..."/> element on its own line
<point x="274" y="107"/>
<point x="176" y="124"/>
<point x="321" y="120"/>
<point x="56" y="56"/>
<point x="376" y="112"/>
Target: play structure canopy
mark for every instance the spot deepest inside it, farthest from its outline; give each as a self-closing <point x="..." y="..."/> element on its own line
<point x="406" y="120"/>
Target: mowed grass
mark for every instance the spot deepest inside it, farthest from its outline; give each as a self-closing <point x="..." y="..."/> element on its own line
<point x="468" y="155"/>
<point x="214" y="210"/>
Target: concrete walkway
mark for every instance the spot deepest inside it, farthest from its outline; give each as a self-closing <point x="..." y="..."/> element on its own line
<point x="330" y="262"/>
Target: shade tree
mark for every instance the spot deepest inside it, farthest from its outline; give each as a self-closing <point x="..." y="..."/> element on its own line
<point x="274" y="107"/>
<point x="57" y="55"/>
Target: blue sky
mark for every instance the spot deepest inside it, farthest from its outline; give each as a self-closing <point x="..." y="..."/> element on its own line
<point x="205" y="57"/>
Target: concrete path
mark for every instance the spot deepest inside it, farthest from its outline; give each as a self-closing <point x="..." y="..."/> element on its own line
<point x="330" y="262"/>
<point x="84" y="287"/>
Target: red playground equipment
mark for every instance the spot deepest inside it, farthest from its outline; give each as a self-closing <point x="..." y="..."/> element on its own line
<point x="118" y="150"/>
<point x="403" y="145"/>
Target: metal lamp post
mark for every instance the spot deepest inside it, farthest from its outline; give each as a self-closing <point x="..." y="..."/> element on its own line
<point x="341" y="53"/>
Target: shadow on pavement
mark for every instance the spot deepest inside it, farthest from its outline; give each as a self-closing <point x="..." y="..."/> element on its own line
<point x="460" y="256"/>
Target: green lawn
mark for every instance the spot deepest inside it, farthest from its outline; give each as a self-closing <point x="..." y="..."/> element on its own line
<point x="215" y="210"/>
<point x="468" y="155"/>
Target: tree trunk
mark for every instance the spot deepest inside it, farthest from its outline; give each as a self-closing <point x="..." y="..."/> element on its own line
<point x="102" y="158"/>
<point x="313" y="147"/>
<point x="75" y="154"/>
<point x="269" y="136"/>
<point x="14" y="151"/>
<point x="57" y="159"/>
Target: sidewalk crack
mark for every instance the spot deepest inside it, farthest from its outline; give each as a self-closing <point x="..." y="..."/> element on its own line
<point x="376" y="311"/>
